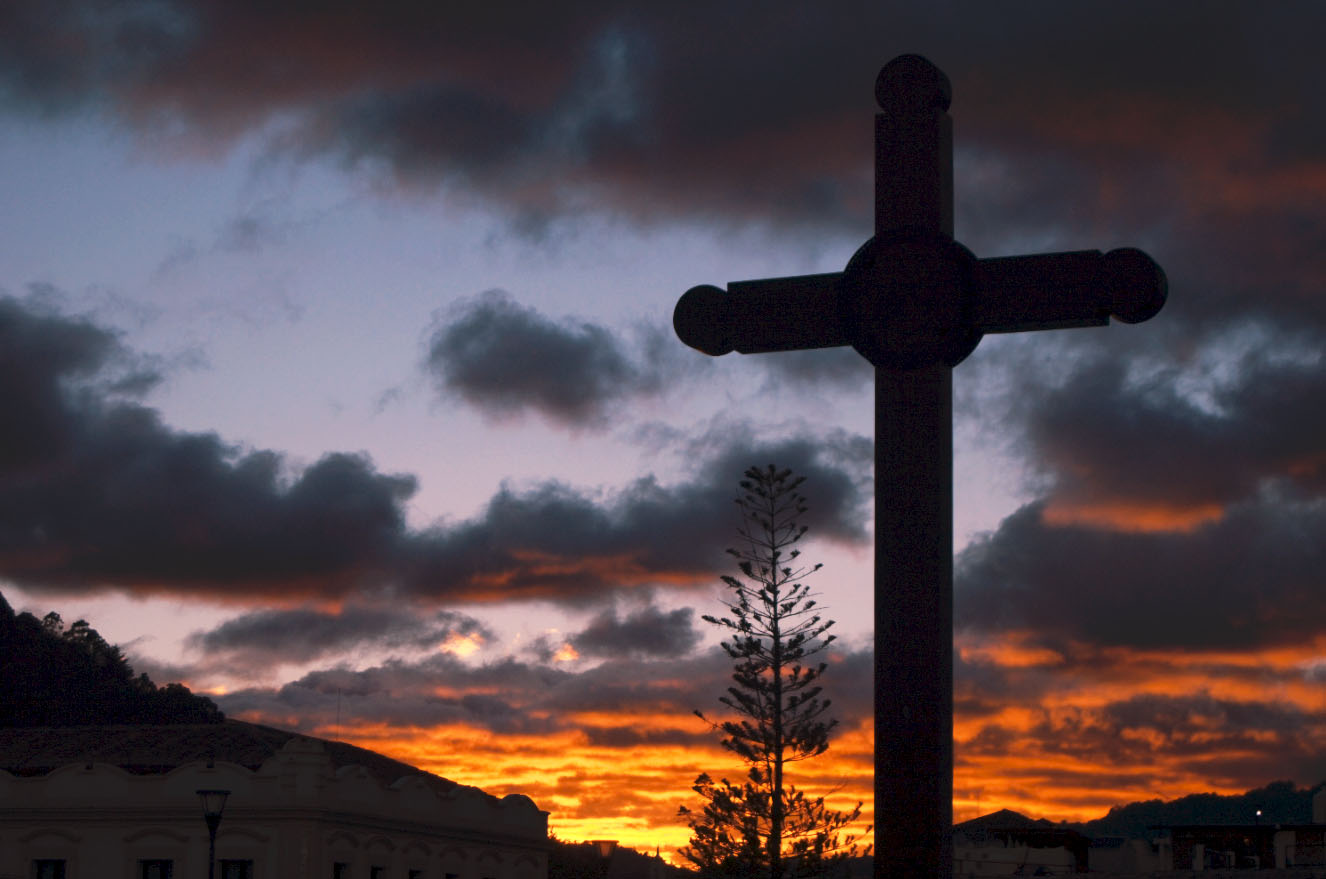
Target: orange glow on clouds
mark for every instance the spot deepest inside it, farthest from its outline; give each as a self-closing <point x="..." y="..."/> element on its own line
<point x="1009" y="654"/>
<point x="1133" y="517"/>
<point x="1075" y="741"/>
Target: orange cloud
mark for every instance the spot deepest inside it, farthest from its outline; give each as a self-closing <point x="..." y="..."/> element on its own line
<point x="1063" y="733"/>
<point x="1133" y="517"/>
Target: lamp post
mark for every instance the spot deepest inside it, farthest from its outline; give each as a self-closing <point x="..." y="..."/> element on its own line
<point x="606" y="847"/>
<point x="214" y="803"/>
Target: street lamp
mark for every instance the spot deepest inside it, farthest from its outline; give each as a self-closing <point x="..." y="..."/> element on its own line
<point x="214" y="803"/>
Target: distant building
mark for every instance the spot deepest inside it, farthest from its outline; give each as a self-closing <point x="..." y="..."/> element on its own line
<point x="1260" y="845"/>
<point x="1248" y="846"/>
<point x="120" y="802"/>
<point x="1122" y="856"/>
<point x="1005" y="843"/>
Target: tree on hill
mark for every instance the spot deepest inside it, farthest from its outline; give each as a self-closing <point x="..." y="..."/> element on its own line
<point x="763" y="825"/>
<point x="51" y="675"/>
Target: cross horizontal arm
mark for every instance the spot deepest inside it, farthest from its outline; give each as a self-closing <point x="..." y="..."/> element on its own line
<point x="753" y="317"/>
<point x="1082" y="288"/>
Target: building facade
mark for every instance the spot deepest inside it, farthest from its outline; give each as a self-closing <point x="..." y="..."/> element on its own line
<point x="122" y="803"/>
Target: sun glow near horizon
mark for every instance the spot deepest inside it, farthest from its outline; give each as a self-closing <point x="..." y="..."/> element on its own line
<point x="604" y="774"/>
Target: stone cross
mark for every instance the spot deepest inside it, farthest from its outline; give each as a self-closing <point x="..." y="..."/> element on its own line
<point x="915" y="303"/>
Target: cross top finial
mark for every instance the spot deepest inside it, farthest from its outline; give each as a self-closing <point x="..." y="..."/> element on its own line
<point x="911" y="296"/>
<point x="912" y="82"/>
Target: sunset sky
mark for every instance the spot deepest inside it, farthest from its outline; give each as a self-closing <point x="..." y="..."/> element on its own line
<point x="338" y="377"/>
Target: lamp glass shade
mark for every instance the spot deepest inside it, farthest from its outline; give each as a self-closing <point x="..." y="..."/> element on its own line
<point x="214" y="802"/>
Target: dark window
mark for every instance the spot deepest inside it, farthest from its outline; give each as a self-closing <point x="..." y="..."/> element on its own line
<point x="415" y="874"/>
<point x="340" y="870"/>
<point x="236" y="869"/>
<point x="377" y="872"/>
<point x="156" y="869"/>
<point x="48" y="868"/>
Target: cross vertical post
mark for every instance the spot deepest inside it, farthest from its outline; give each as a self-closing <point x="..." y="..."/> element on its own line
<point x="913" y="508"/>
<point x="915" y="303"/>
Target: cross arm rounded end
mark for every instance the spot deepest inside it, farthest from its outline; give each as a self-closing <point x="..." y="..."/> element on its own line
<point x="702" y="319"/>
<point x="1138" y="286"/>
<point x="912" y="83"/>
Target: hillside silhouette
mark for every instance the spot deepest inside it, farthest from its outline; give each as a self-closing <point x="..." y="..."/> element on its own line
<point x="53" y="675"/>
<point x="1280" y="802"/>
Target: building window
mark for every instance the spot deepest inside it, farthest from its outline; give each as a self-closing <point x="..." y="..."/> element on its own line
<point x="415" y="874"/>
<point x="236" y="869"/>
<point x="340" y="870"/>
<point x="377" y="872"/>
<point x="156" y="869"/>
<point x="48" y="868"/>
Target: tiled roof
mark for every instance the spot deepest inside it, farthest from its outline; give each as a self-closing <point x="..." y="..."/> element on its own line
<point x="143" y="749"/>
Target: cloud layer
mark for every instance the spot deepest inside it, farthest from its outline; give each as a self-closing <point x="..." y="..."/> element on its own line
<point x="298" y="635"/>
<point x="506" y="359"/>
<point x="1185" y="505"/>
<point x="623" y="108"/>
<point x="96" y="493"/>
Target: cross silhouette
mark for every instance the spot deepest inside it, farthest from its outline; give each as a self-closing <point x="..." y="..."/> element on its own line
<point x="915" y="303"/>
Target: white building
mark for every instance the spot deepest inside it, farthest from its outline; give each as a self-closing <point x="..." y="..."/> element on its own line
<point x="121" y="802"/>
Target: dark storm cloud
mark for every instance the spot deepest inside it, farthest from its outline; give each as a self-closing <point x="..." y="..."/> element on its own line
<point x="96" y="493"/>
<point x="506" y="696"/>
<point x="1191" y="129"/>
<point x="505" y="358"/>
<point x="1250" y="579"/>
<point x="301" y="634"/>
<point x="649" y="631"/>
<point x="652" y="110"/>
<point x="1186" y="721"/>
<point x="47" y="359"/>
<point x="1107" y="436"/>
<point x="1182" y="500"/>
<point x="554" y="541"/>
<point x="438" y="690"/>
<point x="620" y="702"/>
